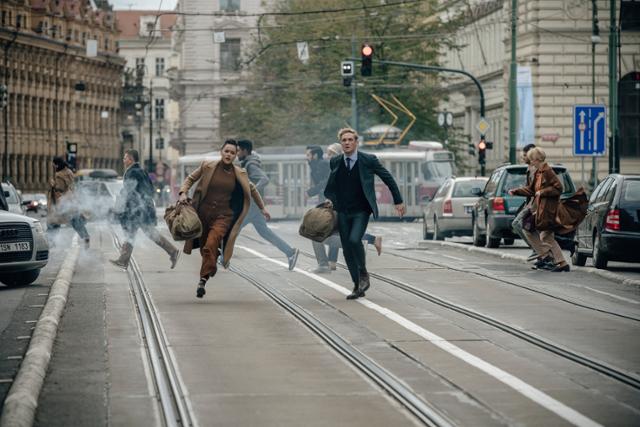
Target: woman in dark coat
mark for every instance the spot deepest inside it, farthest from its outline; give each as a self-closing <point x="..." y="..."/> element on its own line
<point x="545" y="188"/>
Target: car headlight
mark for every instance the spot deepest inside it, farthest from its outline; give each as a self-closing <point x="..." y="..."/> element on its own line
<point x="37" y="226"/>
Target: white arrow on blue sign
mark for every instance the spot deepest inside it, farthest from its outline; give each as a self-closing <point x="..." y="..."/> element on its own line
<point x="589" y="130"/>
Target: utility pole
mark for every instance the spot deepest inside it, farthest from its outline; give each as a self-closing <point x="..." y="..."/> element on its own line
<point x="5" y="108"/>
<point x="614" y="154"/>
<point x="150" y="124"/>
<point x="595" y="39"/>
<point x="354" y="99"/>
<point x="513" y="72"/>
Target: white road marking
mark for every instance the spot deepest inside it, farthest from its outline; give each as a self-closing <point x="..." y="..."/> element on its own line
<point x="527" y="390"/>
<point x="452" y="257"/>
<point x="632" y="301"/>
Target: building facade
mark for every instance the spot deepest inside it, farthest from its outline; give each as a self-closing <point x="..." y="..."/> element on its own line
<point x="145" y="43"/>
<point x="554" y="57"/>
<point x="211" y="68"/>
<point x="57" y="94"/>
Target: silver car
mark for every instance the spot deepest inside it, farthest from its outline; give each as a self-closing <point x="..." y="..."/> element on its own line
<point x="13" y="199"/>
<point x="24" y="249"/>
<point x="448" y="213"/>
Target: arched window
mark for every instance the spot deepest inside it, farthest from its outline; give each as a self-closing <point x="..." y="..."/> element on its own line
<point x="629" y="114"/>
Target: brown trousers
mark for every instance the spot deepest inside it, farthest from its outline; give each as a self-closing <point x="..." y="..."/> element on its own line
<point x="210" y="248"/>
<point x="544" y="243"/>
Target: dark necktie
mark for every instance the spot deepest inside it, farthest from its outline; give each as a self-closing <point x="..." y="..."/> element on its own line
<point x="348" y="163"/>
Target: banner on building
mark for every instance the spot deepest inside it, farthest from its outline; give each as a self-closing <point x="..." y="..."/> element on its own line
<point x="526" y="118"/>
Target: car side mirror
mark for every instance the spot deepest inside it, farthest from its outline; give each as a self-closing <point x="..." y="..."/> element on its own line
<point x="476" y="191"/>
<point x="7" y="194"/>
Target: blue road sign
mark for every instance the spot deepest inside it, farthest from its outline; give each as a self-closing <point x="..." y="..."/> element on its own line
<point x="589" y="130"/>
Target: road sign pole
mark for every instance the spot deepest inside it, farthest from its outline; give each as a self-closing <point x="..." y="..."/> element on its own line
<point x="513" y="94"/>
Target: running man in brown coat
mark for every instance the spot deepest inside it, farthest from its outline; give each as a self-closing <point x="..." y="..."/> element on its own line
<point x="222" y="198"/>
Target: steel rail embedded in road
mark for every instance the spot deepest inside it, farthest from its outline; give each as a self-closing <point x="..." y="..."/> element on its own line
<point x="617" y="374"/>
<point x="175" y="410"/>
<point x="385" y="379"/>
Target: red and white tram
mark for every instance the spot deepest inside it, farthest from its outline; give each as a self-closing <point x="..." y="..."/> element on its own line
<point x="418" y="170"/>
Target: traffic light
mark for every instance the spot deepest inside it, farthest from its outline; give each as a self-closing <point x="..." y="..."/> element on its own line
<point x="367" y="55"/>
<point x="482" y="151"/>
<point x="346" y="70"/>
<point x="4" y="96"/>
<point x="72" y="152"/>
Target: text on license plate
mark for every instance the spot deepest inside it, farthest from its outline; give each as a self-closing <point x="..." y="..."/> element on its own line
<point x="468" y="209"/>
<point x="15" y="247"/>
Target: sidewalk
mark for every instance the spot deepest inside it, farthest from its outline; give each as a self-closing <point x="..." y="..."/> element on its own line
<point x="625" y="273"/>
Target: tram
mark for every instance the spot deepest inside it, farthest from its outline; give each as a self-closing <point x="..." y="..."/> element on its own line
<point x="418" y="169"/>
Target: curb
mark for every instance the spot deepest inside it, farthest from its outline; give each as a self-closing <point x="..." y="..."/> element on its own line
<point x="20" y="405"/>
<point x="614" y="277"/>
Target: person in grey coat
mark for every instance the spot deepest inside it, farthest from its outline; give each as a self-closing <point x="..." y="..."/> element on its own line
<point x="135" y="210"/>
<point x="251" y="163"/>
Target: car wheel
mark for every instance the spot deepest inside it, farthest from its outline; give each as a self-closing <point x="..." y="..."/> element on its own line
<point x="492" y="242"/>
<point x="437" y="234"/>
<point x="426" y="235"/>
<point x="577" y="258"/>
<point x="599" y="258"/>
<point x="20" y="279"/>
<point x="509" y="241"/>
<point x="478" y="239"/>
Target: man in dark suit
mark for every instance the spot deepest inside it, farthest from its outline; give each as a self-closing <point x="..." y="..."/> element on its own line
<point x="350" y="189"/>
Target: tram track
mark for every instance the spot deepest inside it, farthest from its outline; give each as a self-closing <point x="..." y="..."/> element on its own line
<point x="603" y="368"/>
<point x="395" y="387"/>
<point x="174" y="407"/>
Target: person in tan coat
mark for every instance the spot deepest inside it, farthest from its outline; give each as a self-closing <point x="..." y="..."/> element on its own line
<point x="545" y="188"/>
<point x="222" y="200"/>
<point x="61" y="205"/>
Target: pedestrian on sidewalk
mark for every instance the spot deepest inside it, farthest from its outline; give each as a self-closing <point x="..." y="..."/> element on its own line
<point x="62" y="204"/>
<point x="252" y="164"/>
<point x="135" y="210"/>
<point x="545" y="189"/>
<point x="222" y="199"/>
<point x="350" y="190"/>
<point x="525" y="209"/>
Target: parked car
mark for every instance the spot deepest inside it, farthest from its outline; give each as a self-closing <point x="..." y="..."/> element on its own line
<point x="35" y="203"/>
<point x="13" y="198"/>
<point x="449" y="212"/>
<point x="97" y="198"/>
<point x="611" y="229"/>
<point x="24" y="249"/>
<point x="495" y="210"/>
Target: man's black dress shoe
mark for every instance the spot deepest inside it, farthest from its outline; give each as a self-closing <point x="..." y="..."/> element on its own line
<point x="544" y="264"/>
<point x="560" y="269"/>
<point x="364" y="283"/>
<point x="356" y="292"/>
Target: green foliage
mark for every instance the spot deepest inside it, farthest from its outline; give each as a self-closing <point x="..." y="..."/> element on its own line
<point x="289" y="102"/>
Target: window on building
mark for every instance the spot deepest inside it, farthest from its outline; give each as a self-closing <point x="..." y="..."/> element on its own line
<point x="159" y="109"/>
<point x="84" y="38"/>
<point x="4" y="18"/>
<point x="139" y="65"/>
<point x="19" y="21"/>
<point x="230" y="55"/>
<point x="159" y="66"/>
<point x="106" y="43"/>
<point x="159" y="143"/>
<point x="229" y="5"/>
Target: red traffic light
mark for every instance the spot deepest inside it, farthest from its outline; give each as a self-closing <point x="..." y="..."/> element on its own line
<point x="367" y="50"/>
<point x="482" y="145"/>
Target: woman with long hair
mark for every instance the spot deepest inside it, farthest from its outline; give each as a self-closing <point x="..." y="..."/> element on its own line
<point x="222" y="200"/>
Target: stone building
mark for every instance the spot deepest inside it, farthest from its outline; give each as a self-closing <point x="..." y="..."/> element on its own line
<point x="56" y="92"/>
<point x="554" y="49"/>
<point x="210" y="69"/>
<point x="144" y="41"/>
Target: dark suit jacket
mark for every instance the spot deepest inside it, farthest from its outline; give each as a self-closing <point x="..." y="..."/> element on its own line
<point x="369" y="166"/>
<point x="136" y="199"/>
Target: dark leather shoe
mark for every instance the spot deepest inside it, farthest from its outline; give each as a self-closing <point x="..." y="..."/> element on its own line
<point x="544" y="264"/>
<point x="201" y="291"/>
<point x="560" y="269"/>
<point x="356" y="292"/>
<point x="364" y="283"/>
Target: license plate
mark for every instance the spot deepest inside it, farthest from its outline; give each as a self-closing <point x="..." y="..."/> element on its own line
<point x="468" y="209"/>
<point x="15" y="247"/>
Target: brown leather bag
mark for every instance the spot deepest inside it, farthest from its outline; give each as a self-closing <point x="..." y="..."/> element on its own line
<point x="318" y="223"/>
<point x="182" y="221"/>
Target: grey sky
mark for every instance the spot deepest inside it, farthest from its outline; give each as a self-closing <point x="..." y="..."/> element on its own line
<point x="143" y="4"/>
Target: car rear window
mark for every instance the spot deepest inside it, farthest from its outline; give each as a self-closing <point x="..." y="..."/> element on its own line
<point x="463" y="188"/>
<point x="514" y="178"/>
<point x="630" y="196"/>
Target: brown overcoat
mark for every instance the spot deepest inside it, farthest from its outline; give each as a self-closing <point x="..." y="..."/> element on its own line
<point x="59" y="197"/>
<point x="203" y="176"/>
<point x="547" y="202"/>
